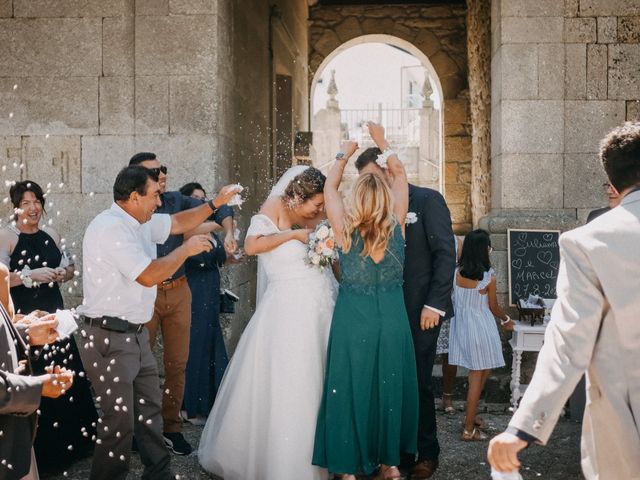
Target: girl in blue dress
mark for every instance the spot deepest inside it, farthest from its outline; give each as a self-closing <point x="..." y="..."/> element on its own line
<point x="474" y="341"/>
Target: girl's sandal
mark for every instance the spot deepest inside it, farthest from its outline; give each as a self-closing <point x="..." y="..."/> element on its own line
<point x="449" y="408"/>
<point x="474" y="435"/>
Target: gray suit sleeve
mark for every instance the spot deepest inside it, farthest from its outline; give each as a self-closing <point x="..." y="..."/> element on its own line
<point x="568" y="342"/>
<point x="19" y="395"/>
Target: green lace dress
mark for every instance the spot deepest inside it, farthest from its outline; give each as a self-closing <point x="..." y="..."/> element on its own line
<point x="369" y="410"/>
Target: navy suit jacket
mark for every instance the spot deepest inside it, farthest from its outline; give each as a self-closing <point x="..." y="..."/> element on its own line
<point x="430" y="257"/>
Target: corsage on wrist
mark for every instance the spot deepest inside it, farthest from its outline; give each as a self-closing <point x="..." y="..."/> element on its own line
<point x="382" y="158"/>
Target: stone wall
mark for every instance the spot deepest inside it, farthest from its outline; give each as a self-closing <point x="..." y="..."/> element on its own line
<point x="84" y="85"/>
<point x="440" y="33"/>
<point x="563" y="75"/>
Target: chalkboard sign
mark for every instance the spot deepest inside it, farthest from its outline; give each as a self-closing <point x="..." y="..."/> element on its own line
<point x="534" y="259"/>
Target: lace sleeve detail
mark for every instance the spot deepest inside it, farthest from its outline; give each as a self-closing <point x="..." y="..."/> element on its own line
<point x="261" y="225"/>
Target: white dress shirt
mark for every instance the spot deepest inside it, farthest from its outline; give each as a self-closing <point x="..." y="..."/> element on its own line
<point x="116" y="250"/>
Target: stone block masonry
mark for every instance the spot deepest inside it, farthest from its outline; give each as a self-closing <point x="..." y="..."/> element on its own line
<point x="84" y="84"/>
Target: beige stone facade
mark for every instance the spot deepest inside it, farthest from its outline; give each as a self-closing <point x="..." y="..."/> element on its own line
<point x="220" y="88"/>
<point x="563" y="75"/>
<point x="85" y="84"/>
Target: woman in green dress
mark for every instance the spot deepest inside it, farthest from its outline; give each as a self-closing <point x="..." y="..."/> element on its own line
<point x="369" y="410"/>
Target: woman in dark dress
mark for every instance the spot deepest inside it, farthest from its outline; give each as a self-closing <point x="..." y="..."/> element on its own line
<point x="37" y="264"/>
<point x="207" y="353"/>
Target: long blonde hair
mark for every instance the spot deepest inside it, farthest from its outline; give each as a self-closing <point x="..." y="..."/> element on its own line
<point x="371" y="212"/>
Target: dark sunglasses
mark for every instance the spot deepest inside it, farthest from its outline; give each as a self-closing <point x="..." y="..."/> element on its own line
<point x="156" y="171"/>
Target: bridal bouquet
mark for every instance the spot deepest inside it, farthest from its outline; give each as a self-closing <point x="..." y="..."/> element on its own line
<point x="322" y="246"/>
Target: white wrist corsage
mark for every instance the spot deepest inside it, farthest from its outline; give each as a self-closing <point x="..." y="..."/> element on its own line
<point x="382" y="158"/>
<point x="411" y="217"/>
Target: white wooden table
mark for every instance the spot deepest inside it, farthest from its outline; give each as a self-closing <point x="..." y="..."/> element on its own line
<point x="524" y="338"/>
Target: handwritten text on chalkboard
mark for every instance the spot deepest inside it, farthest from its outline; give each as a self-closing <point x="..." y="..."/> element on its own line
<point x="534" y="259"/>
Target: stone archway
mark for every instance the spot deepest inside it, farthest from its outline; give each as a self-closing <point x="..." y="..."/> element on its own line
<point x="424" y="155"/>
<point x="437" y="33"/>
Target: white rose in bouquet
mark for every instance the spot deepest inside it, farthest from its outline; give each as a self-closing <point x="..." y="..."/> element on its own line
<point x="322" y="232"/>
<point x="322" y="246"/>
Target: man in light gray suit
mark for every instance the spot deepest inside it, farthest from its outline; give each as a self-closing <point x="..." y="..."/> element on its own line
<point x="19" y="391"/>
<point x="595" y="327"/>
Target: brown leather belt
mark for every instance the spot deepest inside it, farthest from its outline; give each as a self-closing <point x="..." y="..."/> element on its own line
<point x="172" y="283"/>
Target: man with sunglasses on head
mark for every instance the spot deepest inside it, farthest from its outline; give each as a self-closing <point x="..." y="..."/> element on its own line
<point x="172" y="312"/>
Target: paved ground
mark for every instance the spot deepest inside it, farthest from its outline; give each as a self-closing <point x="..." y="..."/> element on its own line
<point x="459" y="460"/>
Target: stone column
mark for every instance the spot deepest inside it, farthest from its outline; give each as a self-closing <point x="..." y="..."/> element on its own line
<point x="327" y="128"/>
<point x="479" y="57"/>
<point x="429" y="163"/>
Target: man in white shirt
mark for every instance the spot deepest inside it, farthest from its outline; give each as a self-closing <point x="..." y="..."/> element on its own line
<point x="120" y="274"/>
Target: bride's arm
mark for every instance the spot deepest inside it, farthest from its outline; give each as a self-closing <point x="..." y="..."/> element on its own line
<point x="256" y="244"/>
<point x="265" y="242"/>
<point x="332" y="198"/>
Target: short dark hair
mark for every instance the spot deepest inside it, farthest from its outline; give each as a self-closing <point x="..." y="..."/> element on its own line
<point x="620" y="155"/>
<point x="132" y="179"/>
<point x="140" y="157"/>
<point x="188" y="188"/>
<point x="370" y="155"/>
<point x="18" y="189"/>
<point x="474" y="258"/>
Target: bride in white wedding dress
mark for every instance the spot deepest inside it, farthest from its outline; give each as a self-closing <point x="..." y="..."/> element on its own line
<point x="263" y="420"/>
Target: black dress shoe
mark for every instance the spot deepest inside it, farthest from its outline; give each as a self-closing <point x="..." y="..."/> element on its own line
<point x="424" y="469"/>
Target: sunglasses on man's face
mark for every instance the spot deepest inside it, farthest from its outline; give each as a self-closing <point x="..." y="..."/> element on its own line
<point x="157" y="170"/>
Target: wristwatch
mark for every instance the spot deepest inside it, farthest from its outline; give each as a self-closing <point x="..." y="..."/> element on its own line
<point x="340" y="156"/>
<point x="212" y="206"/>
<point x="25" y="276"/>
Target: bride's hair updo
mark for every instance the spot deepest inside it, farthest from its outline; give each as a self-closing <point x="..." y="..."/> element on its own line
<point x="304" y="186"/>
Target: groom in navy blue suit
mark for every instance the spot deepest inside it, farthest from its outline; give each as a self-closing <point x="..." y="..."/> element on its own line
<point x="430" y="263"/>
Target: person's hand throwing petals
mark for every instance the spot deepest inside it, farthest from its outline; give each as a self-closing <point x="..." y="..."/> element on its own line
<point x="226" y="194"/>
<point x="376" y="131"/>
<point x="230" y="243"/>
<point x="57" y="382"/>
<point x="43" y="331"/>
<point x="348" y="148"/>
<point x="198" y="244"/>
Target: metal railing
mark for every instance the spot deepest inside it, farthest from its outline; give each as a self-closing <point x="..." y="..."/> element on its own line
<point x="402" y="125"/>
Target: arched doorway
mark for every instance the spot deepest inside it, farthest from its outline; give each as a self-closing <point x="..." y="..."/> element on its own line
<point x="385" y="79"/>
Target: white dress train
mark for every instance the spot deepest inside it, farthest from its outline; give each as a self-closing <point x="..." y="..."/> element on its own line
<point x="263" y="421"/>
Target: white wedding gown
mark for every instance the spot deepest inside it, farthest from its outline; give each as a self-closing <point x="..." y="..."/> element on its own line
<point x="262" y="425"/>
